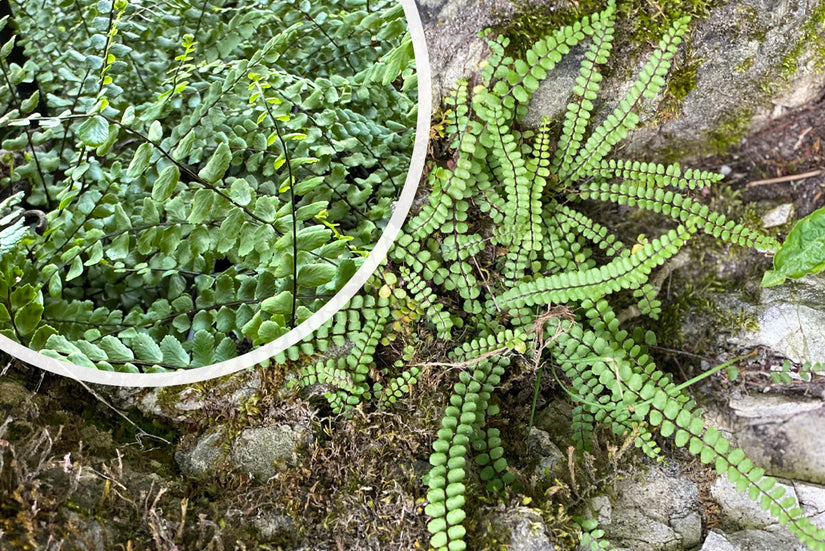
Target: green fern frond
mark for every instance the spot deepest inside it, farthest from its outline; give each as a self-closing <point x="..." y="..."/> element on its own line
<point x="654" y="174"/>
<point x="623" y="119"/>
<point x="594" y="232"/>
<point x="578" y="112"/>
<point x="469" y="403"/>
<point x="628" y="272"/>
<point x="680" y="208"/>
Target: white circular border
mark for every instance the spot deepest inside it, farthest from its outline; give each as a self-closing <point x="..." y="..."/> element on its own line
<point x="356" y="282"/>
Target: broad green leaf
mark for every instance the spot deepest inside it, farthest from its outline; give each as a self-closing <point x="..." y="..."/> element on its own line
<point x="279" y="304"/>
<point x="225" y="351"/>
<point x="230" y="230"/>
<point x="94" y="131"/>
<point x="61" y="344"/>
<point x="95" y="255"/>
<point x="155" y="131"/>
<point x="80" y="359"/>
<point x="184" y="148"/>
<point x="313" y="237"/>
<point x="92" y="351"/>
<point x="140" y="162"/>
<point x="217" y="165"/>
<point x="116" y="350"/>
<point x="203" y="349"/>
<point x="30" y="104"/>
<point x="55" y="285"/>
<point x="201" y="206"/>
<point x="27" y="318"/>
<point x="241" y="192"/>
<point x="803" y="252"/>
<point x="269" y="331"/>
<point x="313" y="275"/>
<point x="146" y="348"/>
<point x="165" y="184"/>
<point x="173" y="352"/>
<point x="76" y="268"/>
<point x="41" y="336"/>
<point x="308" y="185"/>
<point x="7" y="47"/>
<point x="128" y="116"/>
<point x="119" y="249"/>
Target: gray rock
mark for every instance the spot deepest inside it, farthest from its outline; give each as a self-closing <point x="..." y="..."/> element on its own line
<point x="791" y="317"/>
<point x="550" y="457"/>
<point x="526" y="528"/>
<point x="655" y="510"/>
<point x="689" y="528"/>
<point x="782" y="435"/>
<point x="741" y="44"/>
<point x="272" y="526"/>
<point x="771" y="406"/>
<point x="256" y="451"/>
<point x="602" y="510"/>
<point x="181" y="403"/>
<point x="206" y="454"/>
<point x="752" y="540"/>
<point x="738" y="509"/>
<point x="88" y="534"/>
<point x="812" y="499"/>
<point x="451" y="28"/>
<point x="555" y="420"/>
<point x="632" y="528"/>
<point x="553" y="94"/>
<point x="777" y="216"/>
<point x="716" y="541"/>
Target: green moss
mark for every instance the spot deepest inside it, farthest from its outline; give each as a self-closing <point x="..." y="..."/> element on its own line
<point x="730" y="130"/>
<point x="812" y="40"/>
<point x="748" y="24"/>
<point x="530" y="21"/>
<point x="650" y="19"/>
<point x="681" y="82"/>
<point x="640" y="21"/>
<point x="745" y="65"/>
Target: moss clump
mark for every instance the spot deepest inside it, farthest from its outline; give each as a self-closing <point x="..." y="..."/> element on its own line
<point x="650" y="19"/>
<point x="812" y="40"/>
<point x="641" y="21"/>
<point x="745" y="65"/>
<point x="748" y="25"/>
<point x="682" y="81"/>
<point x="730" y="130"/>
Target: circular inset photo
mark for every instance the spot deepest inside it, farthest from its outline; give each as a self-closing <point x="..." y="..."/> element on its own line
<point x="189" y="188"/>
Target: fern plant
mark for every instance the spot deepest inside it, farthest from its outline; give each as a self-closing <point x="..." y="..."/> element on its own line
<point x="210" y="175"/>
<point x="503" y="262"/>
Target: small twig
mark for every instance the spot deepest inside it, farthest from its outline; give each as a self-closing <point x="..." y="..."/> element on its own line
<point x="802" y="137"/>
<point x="140" y="433"/>
<point x="486" y="284"/>
<point x="468" y="362"/>
<point x="780" y="179"/>
<point x="571" y="466"/>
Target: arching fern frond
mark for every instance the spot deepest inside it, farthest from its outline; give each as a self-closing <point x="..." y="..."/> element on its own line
<point x="628" y="272"/>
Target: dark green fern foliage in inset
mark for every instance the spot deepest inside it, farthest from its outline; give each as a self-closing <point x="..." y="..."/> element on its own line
<point x="503" y="260"/>
<point x="211" y="175"/>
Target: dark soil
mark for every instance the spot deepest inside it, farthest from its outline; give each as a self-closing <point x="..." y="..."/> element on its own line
<point x="791" y="145"/>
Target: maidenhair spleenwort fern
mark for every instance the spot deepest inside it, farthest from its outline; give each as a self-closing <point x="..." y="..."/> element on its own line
<point x="504" y="263"/>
